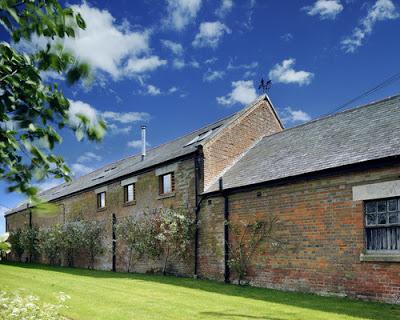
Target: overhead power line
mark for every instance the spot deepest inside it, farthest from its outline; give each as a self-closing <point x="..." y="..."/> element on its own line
<point x="378" y="87"/>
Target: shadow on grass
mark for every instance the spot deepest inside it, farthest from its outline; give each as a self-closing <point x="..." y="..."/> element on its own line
<point x="344" y="306"/>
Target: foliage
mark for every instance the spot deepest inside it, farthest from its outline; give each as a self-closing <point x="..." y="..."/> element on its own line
<point x="247" y="238"/>
<point x="16" y="244"/>
<point x="5" y="247"/>
<point x="50" y="243"/>
<point x="92" y="240"/>
<point x="175" y="231"/>
<point x="30" y="242"/>
<point x="71" y="240"/>
<point x="138" y="234"/>
<point x="25" y="307"/>
<point x="32" y="110"/>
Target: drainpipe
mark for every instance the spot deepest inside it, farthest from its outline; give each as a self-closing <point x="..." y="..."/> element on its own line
<point x="198" y="200"/>
<point x="114" y="244"/>
<point x="226" y="230"/>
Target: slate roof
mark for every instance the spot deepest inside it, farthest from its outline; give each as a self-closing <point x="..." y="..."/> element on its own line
<point x="354" y="136"/>
<point x="158" y="155"/>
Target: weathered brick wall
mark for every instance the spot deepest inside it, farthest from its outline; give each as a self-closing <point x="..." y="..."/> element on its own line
<point x="324" y="231"/>
<point x="225" y="148"/>
<point x="84" y="206"/>
<point x="211" y="239"/>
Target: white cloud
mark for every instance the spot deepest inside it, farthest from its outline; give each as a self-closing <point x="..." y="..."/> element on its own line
<point x="153" y="90"/>
<point x="180" y="63"/>
<point x="212" y="75"/>
<point x="79" y="169"/>
<point x="175" y="47"/>
<point x="284" y="73"/>
<point x="290" y="116"/>
<point x="287" y="37"/>
<point x="116" y="129"/>
<point x="104" y="44"/>
<point x="107" y="46"/>
<point x="172" y="90"/>
<point x="142" y="65"/>
<point x="243" y="92"/>
<point x="125" y="117"/>
<point x="180" y="13"/>
<point x="249" y="74"/>
<point x="382" y="10"/>
<point x="136" y="144"/>
<point x="88" y="157"/>
<point x="210" y="34"/>
<point x="251" y="65"/>
<point x="326" y="9"/>
<point x="49" y="184"/>
<point x="81" y="108"/>
<point x="225" y="7"/>
<point x="211" y="60"/>
<point x="3" y="210"/>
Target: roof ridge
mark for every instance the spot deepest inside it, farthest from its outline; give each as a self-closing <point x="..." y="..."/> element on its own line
<point x="336" y="114"/>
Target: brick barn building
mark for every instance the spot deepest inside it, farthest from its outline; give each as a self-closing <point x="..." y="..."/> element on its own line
<point x="333" y="183"/>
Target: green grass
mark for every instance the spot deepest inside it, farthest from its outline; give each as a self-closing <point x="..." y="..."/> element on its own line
<point x="112" y="296"/>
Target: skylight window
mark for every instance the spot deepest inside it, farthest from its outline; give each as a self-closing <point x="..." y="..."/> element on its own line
<point x="201" y="136"/>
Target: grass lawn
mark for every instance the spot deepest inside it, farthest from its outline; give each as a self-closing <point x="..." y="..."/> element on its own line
<point x="106" y="295"/>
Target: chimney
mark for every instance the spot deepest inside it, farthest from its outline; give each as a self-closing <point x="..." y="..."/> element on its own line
<point x="143" y="141"/>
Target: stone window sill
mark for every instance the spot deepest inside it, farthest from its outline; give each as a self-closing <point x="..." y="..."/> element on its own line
<point x="380" y="257"/>
<point x="166" y="195"/>
<point x="101" y="209"/>
<point x="130" y="203"/>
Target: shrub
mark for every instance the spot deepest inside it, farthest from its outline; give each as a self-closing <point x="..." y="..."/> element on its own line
<point x="71" y="240"/>
<point x="30" y="242"/>
<point x="16" y="244"/>
<point x="247" y="238"/>
<point x="139" y="237"/>
<point x="92" y="240"/>
<point x="50" y="243"/>
<point x="5" y="247"/>
<point x="20" y="307"/>
<point x="175" y="231"/>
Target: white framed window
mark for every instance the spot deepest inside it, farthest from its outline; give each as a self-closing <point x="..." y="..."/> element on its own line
<point x="101" y="200"/>
<point x="129" y="193"/>
<point x="167" y="183"/>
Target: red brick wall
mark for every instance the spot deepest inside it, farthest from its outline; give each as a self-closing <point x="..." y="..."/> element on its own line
<point x="324" y="231"/>
<point x="84" y="206"/>
<point x="223" y="149"/>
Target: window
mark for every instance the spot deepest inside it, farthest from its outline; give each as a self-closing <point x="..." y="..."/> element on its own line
<point x="382" y="224"/>
<point x="101" y="200"/>
<point x="167" y="183"/>
<point x="129" y="193"/>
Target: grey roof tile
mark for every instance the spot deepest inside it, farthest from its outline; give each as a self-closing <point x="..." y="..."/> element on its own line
<point x="365" y="133"/>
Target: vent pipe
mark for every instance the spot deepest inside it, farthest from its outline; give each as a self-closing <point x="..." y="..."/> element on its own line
<point x="143" y="128"/>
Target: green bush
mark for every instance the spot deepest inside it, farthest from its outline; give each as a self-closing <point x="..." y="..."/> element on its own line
<point x="30" y="242"/>
<point x="50" y="243"/>
<point x="16" y="245"/>
<point x="92" y="240"/>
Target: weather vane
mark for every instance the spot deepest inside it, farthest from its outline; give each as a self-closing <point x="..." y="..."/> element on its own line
<point x="265" y="85"/>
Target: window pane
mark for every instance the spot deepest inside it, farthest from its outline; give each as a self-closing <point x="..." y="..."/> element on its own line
<point x="167" y="183"/>
<point x="130" y="193"/>
<point x="371" y="219"/>
<point x="382" y="206"/>
<point x="102" y="200"/>
<point x="370" y="207"/>
<point x="392" y="206"/>
<point x="393" y="218"/>
<point x="382" y="218"/>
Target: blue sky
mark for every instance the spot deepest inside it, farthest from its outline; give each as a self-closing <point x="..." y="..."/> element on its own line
<point x="177" y="65"/>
